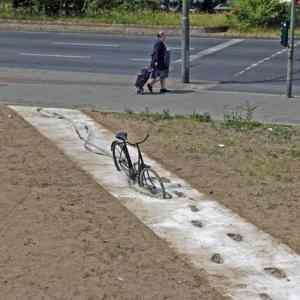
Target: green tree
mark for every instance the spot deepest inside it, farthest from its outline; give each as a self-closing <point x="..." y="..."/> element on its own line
<point x="252" y="13"/>
<point x="94" y="6"/>
<point x="78" y="7"/>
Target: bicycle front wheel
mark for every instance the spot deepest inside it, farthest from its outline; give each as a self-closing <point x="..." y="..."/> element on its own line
<point x="151" y="181"/>
<point x="119" y="156"/>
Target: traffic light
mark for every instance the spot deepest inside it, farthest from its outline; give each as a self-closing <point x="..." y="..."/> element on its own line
<point x="284" y="38"/>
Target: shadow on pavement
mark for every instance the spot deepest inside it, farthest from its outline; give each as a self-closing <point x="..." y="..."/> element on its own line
<point x="172" y="92"/>
<point x="181" y="92"/>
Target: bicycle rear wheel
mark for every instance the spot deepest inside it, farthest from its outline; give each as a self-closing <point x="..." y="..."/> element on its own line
<point x="151" y="181"/>
<point x="119" y="156"/>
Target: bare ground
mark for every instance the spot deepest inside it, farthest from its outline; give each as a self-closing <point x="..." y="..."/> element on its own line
<point x="64" y="237"/>
<point x="255" y="172"/>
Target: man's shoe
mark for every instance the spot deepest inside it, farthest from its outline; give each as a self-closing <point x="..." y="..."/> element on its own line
<point x="149" y="86"/>
<point x="140" y="91"/>
<point x="162" y="91"/>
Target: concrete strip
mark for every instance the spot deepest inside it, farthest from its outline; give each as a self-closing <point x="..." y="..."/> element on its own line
<point x="241" y="260"/>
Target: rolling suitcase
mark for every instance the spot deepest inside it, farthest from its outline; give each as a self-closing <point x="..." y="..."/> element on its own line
<point x="142" y="78"/>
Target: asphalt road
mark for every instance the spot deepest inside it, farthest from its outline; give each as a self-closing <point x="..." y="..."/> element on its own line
<point x="245" y="65"/>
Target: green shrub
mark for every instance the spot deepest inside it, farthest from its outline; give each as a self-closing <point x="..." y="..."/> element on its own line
<point x="201" y="117"/>
<point x="79" y="7"/>
<point x="95" y="7"/>
<point x="241" y="118"/>
<point x="254" y="13"/>
<point x="140" y="4"/>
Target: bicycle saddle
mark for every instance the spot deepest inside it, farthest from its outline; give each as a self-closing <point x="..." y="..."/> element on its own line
<point x="122" y="136"/>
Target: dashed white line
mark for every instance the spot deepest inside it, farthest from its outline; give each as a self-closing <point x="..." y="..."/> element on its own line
<point x="54" y="55"/>
<point x="262" y="61"/>
<point x="140" y="59"/>
<point x="178" y="48"/>
<point x="201" y="53"/>
<point x="86" y="44"/>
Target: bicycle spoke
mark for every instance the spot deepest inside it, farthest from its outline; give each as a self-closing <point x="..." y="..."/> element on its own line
<point x="150" y="180"/>
<point x="120" y="158"/>
<point x="145" y="176"/>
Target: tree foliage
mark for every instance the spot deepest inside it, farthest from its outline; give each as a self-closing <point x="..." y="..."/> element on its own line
<point x="247" y="13"/>
<point x="79" y="7"/>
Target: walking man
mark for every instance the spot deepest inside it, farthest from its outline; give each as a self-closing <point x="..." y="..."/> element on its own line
<point x="160" y="63"/>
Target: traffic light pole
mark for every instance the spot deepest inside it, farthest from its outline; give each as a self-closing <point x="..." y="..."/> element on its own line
<point x="185" y="43"/>
<point x="289" y="86"/>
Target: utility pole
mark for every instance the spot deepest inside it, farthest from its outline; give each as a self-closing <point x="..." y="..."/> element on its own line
<point x="185" y="43"/>
<point x="291" y="46"/>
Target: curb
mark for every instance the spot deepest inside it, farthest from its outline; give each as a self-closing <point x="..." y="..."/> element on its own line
<point x="104" y="28"/>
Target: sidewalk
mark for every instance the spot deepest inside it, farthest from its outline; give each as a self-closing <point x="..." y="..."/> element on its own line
<point x="117" y="93"/>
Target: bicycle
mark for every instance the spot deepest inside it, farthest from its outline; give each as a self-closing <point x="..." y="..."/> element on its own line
<point x="137" y="171"/>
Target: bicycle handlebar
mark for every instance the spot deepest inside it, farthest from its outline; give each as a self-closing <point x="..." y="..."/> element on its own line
<point x="139" y="142"/>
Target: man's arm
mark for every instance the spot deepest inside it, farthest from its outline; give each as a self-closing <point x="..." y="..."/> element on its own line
<point x="155" y="54"/>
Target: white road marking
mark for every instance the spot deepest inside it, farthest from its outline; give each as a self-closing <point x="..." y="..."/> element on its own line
<point x="86" y="44"/>
<point x="54" y="55"/>
<point x="178" y="48"/>
<point x="201" y="53"/>
<point x="212" y="50"/>
<point x="262" y="61"/>
<point x="141" y="59"/>
<point x="248" y="264"/>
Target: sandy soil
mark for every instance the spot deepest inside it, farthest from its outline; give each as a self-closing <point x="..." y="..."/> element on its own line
<point x="64" y="237"/>
<point x="255" y="173"/>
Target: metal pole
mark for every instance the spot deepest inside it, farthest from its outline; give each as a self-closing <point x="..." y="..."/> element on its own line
<point x="185" y="43"/>
<point x="291" y="51"/>
<point x="44" y="9"/>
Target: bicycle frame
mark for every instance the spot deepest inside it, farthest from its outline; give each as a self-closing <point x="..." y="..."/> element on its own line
<point x="140" y="163"/>
<point x="137" y="171"/>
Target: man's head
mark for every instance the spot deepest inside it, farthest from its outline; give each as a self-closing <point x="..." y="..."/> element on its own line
<point x="162" y="36"/>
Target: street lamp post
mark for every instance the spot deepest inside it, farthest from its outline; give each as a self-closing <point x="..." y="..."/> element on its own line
<point x="291" y="51"/>
<point x="185" y="47"/>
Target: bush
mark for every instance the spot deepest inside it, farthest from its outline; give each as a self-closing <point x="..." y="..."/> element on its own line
<point x="79" y="7"/>
<point x="140" y="4"/>
<point x="93" y="6"/>
<point x="254" y="13"/>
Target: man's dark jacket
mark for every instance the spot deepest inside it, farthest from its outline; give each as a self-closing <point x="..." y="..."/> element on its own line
<point x="159" y="56"/>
